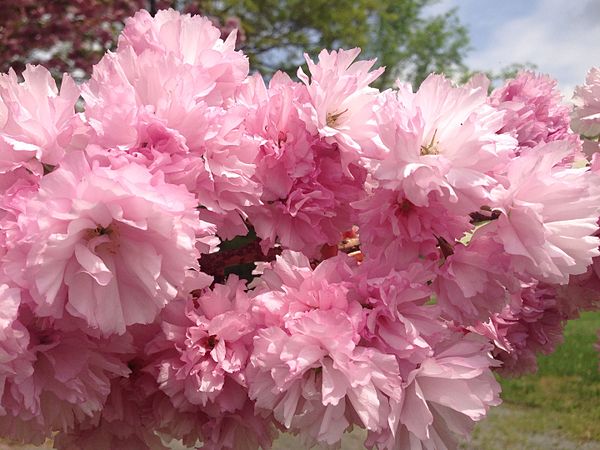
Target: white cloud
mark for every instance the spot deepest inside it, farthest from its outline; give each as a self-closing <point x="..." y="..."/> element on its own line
<point x="560" y="37"/>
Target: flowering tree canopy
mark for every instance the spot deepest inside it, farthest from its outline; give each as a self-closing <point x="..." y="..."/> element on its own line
<point x="202" y="256"/>
<point x="66" y="35"/>
<point x="70" y="36"/>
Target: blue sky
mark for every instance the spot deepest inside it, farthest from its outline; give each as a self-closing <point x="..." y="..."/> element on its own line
<point x="561" y="37"/>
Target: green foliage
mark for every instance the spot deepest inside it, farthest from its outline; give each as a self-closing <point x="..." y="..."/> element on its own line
<point x="239" y="241"/>
<point x="244" y="271"/>
<point x="396" y="32"/>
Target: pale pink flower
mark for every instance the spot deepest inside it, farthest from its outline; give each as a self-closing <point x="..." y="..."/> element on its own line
<point x="36" y="120"/>
<point x="317" y="207"/>
<point x="398" y="319"/>
<point x="194" y="42"/>
<point x="69" y="377"/>
<point x="21" y="186"/>
<point x="149" y="109"/>
<point x="532" y="323"/>
<point x="585" y="118"/>
<point x="444" y="397"/>
<point x="387" y="218"/>
<point x="109" y="246"/>
<point x="212" y="336"/>
<point x="199" y="362"/>
<point x="289" y="269"/>
<point x="549" y="214"/>
<point x="473" y="282"/>
<point x="289" y="286"/>
<point x="441" y="139"/>
<point x="307" y="365"/>
<point x="127" y="88"/>
<point x="285" y="152"/>
<point x="316" y="380"/>
<point x="165" y="99"/>
<point x="306" y="194"/>
<point x="227" y="183"/>
<point x="341" y="102"/>
<point x="534" y="110"/>
<point x="38" y="125"/>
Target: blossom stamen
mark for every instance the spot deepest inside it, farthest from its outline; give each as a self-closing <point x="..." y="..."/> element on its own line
<point x="100" y="231"/>
<point x="332" y="118"/>
<point x="432" y="147"/>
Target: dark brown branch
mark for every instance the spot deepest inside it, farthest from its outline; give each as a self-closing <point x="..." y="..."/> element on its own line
<point x="215" y="264"/>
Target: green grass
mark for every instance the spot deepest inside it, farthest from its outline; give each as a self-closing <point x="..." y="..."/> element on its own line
<point x="564" y="396"/>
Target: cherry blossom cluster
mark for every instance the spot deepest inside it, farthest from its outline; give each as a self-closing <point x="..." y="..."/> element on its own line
<point x="585" y="120"/>
<point x="202" y="256"/>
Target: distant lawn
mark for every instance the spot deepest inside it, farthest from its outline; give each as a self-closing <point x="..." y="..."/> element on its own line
<point x="563" y="398"/>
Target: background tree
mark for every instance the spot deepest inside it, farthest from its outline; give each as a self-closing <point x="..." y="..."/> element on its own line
<point x="399" y="33"/>
<point x="64" y="35"/>
<point x="71" y="35"/>
<point x="67" y="35"/>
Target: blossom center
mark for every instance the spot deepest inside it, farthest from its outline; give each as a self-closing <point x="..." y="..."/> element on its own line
<point x="333" y="118"/>
<point x="100" y="231"/>
<point x="210" y="342"/>
<point x="431" y="148"/>
<point x="110" y="232"/>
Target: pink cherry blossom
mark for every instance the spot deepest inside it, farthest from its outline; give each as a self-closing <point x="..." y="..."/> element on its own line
<point x="387" y="218"/>
<point x="444" y="397"/>
<point x="474" y="281"/>
<point x="341" y="102"/>
<point x="549" y="215"/>
<point x="68" y="378"/>
<point x="213" y="346"/>
<point x="531" y="323"/>
<point x="38" y="126"/>
<point x="441" y="139"/>
<point x="314" y="384"/>
<point x="398" y="319"/>
<point x="195" y="42"/>
<point x="534" y="110"/>
<point x="585" y="118"/>
<point x="162" y="118"/>
<point x="112" y="246"/>
<point x="173" y="258"/>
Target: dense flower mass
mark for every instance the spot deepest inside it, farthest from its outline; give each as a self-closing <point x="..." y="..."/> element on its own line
<point x="534" y="111"/>
<point x="205" y="257"/>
